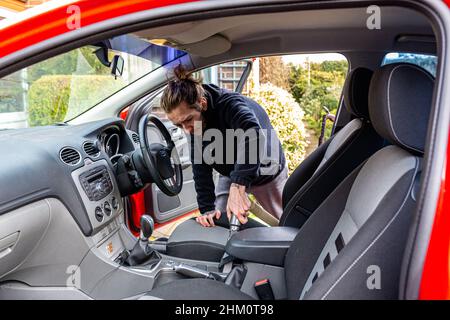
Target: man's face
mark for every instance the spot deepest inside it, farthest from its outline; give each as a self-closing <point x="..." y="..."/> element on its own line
<point x="184" y="116"/>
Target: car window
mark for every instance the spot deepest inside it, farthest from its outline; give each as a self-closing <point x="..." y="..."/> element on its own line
<point x="428" y="62"/>
<point x="226" y="75"/>
<point x="62" y="87"/>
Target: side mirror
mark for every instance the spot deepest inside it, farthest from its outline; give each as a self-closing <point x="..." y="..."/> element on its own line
<point x="117" y="66"/>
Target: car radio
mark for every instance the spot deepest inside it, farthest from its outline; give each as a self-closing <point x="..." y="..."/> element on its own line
<point x="96" y="183"/>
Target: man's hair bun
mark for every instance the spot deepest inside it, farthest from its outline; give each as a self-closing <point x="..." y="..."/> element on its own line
<point x="181" y="74"/>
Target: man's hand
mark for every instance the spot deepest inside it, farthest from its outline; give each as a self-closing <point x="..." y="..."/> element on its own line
<point x="238" y="203"/>
<point x="206" y="219"/>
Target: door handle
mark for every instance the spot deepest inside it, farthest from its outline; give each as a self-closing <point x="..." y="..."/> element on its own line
<point x="185" y="162"/>
<point x="7" y="243"/>
<point x="176" y="134"/>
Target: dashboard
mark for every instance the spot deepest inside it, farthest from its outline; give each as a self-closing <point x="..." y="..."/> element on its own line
<point x="73" y="163"/>
<point x="110" y="143"/>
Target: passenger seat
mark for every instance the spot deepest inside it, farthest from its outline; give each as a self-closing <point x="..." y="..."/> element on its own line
<point x="309" y="185"/>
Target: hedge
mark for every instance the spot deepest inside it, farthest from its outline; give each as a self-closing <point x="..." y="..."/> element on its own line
<point x="50" y="96"/>
<point x="286" y="117"/>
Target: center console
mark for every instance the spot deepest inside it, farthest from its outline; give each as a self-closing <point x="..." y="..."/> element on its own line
<point x="122" y="265"/>
<point x="262" y="245"/>
<point x="99" y="191"/>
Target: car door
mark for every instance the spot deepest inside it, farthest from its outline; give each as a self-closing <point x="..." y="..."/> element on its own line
<point x="163" y="208"/>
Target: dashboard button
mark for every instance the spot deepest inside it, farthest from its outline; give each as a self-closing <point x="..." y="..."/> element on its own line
<point x="107" y="208"/>
<point x="99" y="214"/>
<point x="115" y="203"/>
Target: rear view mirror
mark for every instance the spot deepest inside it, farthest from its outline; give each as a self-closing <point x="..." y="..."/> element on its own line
<point x="117" y="66"/>
<point x="102" y="56"/>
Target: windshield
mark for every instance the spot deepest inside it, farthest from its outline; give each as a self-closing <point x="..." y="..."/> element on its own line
<point x="61" y="88"/>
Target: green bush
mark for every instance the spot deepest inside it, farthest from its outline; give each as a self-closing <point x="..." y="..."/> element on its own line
<point x="286" y="117"/>
<point x="317" y="87"/>
<point x="55" y="98"/>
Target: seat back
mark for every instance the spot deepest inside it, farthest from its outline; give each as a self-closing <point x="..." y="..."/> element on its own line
<point x="320" y="173"/>
<point x="352" y="246"/>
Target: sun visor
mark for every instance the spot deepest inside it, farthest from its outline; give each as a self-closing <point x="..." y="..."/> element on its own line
<point x="209" y="47"/>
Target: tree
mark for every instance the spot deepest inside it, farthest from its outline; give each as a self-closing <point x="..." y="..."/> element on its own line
<point x="286" y="117"/>
<point x="273" y="70"/>
<point x="317" y="86"/>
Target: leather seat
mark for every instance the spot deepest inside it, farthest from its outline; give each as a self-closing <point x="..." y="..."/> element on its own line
<point x="363" y="225"/>
<point x="310" y="183"/>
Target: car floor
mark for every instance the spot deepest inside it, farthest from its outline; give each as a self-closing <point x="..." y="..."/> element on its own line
<point x="166" y="229"/>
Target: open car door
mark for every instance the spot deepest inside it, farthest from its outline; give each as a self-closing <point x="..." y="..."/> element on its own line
<point x="164" y="208"/>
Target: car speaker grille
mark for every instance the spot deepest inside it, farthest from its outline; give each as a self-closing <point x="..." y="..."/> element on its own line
<point x="91" y="149"/>
<point x="135" y="138"/>
<point x="70" y="156"/>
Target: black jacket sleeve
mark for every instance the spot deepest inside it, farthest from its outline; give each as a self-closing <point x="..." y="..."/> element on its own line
<point x="203" y="178"/>
<point x="204" y="186"/>
<point x="238" y="115"/>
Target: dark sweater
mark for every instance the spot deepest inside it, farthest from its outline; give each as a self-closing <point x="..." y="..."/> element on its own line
<point x="230" y="110"/>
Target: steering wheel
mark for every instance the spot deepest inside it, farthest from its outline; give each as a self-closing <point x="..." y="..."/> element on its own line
<point x="162" y="162"/>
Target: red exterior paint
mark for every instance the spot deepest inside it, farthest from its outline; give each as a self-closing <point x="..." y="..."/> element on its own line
<point x="435" y="283"/>
<point x="124" y="113"/>
<point x="138" y="208"/>
<point x="137" y="200"/>
<point x="436" y="273"/>
<point x="54" y="22"/>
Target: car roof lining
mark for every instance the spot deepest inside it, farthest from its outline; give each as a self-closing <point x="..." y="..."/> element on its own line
<point x="318" y="30"/>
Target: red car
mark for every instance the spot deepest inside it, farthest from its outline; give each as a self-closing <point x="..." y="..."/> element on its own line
<point x="89" y="164"/>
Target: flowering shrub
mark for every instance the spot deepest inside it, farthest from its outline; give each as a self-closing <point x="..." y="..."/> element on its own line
<point x="286" y="116"/>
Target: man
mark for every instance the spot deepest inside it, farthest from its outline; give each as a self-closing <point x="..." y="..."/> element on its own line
<point x="202" y="109"/>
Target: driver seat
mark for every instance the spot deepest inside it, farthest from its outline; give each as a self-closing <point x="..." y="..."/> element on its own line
<point x="308" y="186"/>
<point x="363" y="225"/>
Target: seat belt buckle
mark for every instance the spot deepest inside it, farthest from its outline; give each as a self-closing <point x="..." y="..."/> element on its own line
<point x="264" y="290"/>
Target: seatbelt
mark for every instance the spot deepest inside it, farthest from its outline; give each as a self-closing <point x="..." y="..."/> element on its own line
<point x="226" y="263"/>
<point x="264" y="290"/>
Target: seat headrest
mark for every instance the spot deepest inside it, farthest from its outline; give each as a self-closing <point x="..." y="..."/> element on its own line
<point x="400" y="97"/>
<point x="356" y="92"/>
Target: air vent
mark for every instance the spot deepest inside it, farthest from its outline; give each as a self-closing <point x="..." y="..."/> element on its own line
<point x="70" y="156"/>
<point x="135" y="138"/>
<point x="91" y="149"/>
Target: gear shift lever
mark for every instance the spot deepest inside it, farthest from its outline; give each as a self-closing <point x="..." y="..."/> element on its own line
<point x="141" y="251"/>
<point x="147" y="227"/>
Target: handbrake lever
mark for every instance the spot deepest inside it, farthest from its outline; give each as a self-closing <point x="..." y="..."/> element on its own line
<point x="193" y="272"/>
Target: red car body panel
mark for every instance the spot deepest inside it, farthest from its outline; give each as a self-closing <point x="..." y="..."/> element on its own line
<point x="138" y="209"/>
<point x="53" y="23"/>
<point x="436" y="273"/>
<point x="435" y="283"/>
